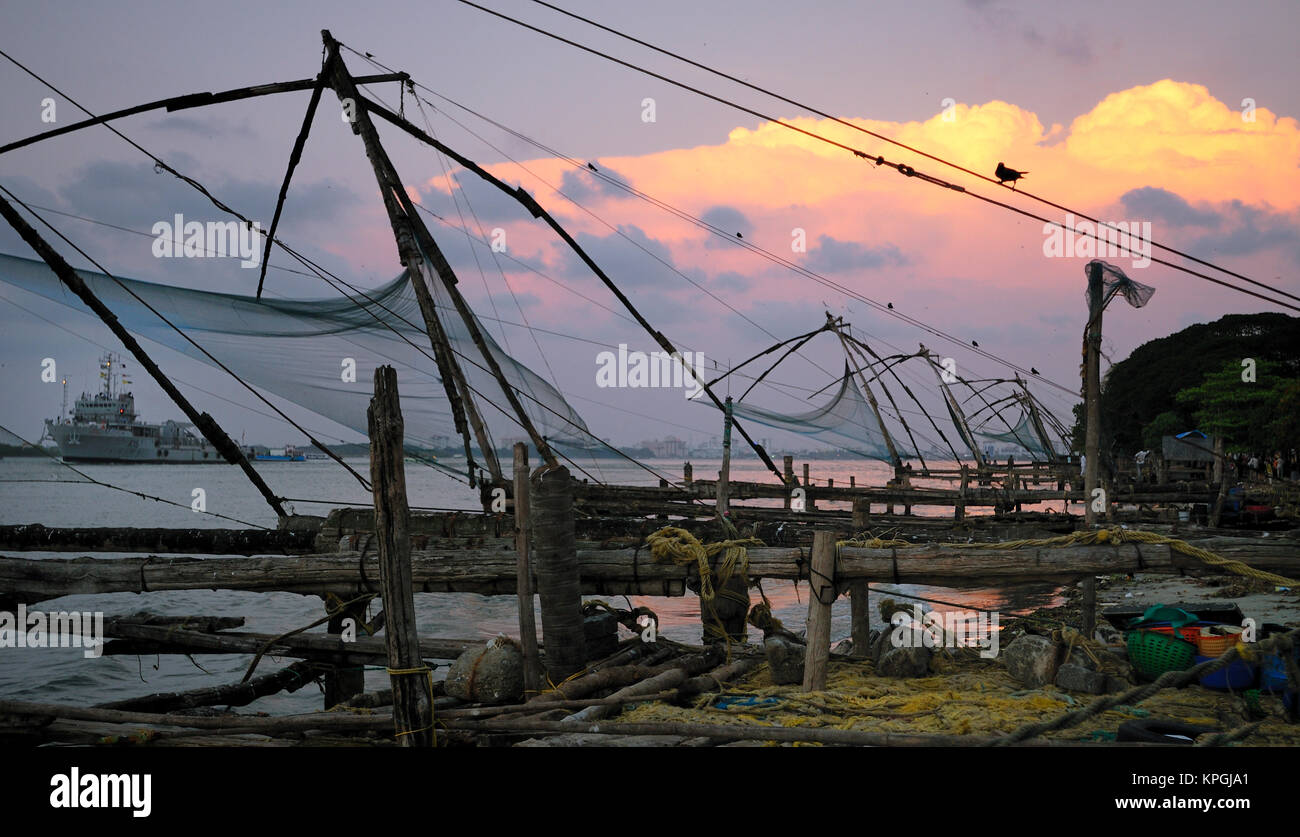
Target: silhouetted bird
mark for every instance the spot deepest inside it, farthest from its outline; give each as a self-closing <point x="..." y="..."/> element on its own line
<point x="1006" y="175"/>
<point x="590" y="166"/>
<point x="891" y="306"/>
<point x="1033" y="371"/>
<point x="738" y="235"/>
<point x="975" y="343"/>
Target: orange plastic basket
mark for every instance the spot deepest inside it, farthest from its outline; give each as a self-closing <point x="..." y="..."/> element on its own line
<point x="1215" y="644"/>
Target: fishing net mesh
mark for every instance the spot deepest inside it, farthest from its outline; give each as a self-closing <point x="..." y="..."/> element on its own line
<point x="301" y="349"/>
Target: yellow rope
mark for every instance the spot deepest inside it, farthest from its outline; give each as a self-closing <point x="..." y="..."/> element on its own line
<point x="395" y="672"/>
<point x="684" y="549"/>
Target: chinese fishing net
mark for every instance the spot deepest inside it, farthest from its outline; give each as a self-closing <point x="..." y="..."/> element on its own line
<point x="301" y="349"/>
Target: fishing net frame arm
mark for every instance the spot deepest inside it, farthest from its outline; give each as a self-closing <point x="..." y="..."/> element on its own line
<point x="537" y="211"/>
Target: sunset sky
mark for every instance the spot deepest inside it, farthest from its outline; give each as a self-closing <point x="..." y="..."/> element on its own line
<point x="1128" y="112"/>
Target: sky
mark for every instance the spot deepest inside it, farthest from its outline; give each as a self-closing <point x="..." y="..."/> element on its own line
<point x="1172" y="115"/>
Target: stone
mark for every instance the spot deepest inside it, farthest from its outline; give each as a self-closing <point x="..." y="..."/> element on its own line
<point x="1032" y="660"/>
<point x="493" y="674"/>
<point x="909" y="661"/>
<point x="1076" y="678"/>
<point x="785" y="659"/>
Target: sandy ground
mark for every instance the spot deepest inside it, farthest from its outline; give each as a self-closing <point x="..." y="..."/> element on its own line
<point x="1260" y="601"/>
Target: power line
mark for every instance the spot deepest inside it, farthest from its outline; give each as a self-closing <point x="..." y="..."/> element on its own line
<point x="901" y="168"/>
<point x="895" y="142"/>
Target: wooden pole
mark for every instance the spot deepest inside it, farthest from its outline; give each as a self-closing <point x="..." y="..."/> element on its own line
<point x="860" y="600"/>
<point x="959" y="509"/>
<point x="344" y="681"/>
<point x="724" y="476"/>
<point x="412" y="687"/>
<point x="821" y="585"/>
<point x="527" y="620"/>
<point x="558" y="583"/>
<point x="787" y="466"/>
<point x="1221" y="472"/>
<point x="1092" y="391"/>
<point x="1089" y="606"/>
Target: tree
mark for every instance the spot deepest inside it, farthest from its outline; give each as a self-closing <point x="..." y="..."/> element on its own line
<point x="1145" y="385"/>
<point x="1242" y="412"/>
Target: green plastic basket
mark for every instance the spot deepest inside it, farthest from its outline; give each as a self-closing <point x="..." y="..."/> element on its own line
<point x="1152" y="653"/>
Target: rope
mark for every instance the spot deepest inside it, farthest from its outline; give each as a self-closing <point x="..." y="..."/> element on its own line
<point x="684" y="549"/>
<point x="425" y="670"/>
<point x="1138" y="694"/>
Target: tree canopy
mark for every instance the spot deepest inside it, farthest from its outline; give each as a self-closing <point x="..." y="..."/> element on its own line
<point x="1141" y="401"/>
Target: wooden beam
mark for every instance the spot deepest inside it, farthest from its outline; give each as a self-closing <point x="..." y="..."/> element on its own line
<point x="411" y="680"/>
<point x="821" y="595"/>
<point x="524" y="575"/>
<point x="612" y="571"/>
<point x="191" y="100"/>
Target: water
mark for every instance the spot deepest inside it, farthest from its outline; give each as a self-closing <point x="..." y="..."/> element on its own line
<point x="28" y="494"/>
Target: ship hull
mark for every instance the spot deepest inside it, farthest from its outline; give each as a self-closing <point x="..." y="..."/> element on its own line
<point x="94" y="443"/>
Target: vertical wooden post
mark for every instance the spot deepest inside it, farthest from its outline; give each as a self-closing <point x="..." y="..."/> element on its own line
<point x="959" y="511"/>
<point x="787" y="465"/>
<point x="860" y="600"/>
<point x="344" y="681"/>
<point x="1092" y="392"/>
<point x="1222" y="474"/>
<point x="723" y="499"/>
<point x="807" y="487"/>
<point x="555" y="547"/>
<point x="1089" y="606"/>
<point x="524" y="576"/>
<point x="821" y="594"/>
<point x="861" y="514"/>
<point x="853" y="481"/>
<point x="412" y="689"/>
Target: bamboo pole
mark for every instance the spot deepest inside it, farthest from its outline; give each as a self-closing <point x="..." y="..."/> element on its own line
<point x="524" y="582"/>
<point x="821" y="587"/>
<point x="412" y="689"/>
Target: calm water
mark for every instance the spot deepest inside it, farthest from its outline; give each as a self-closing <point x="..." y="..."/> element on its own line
<point x="27" y="495"/>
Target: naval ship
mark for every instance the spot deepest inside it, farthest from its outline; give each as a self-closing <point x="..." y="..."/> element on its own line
<point x="106" y="428"/>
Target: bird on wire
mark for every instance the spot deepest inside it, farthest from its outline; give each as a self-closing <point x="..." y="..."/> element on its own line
<point x="1006" y="175"/>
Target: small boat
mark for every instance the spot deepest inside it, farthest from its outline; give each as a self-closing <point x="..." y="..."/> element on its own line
<point x="288" y="453"/>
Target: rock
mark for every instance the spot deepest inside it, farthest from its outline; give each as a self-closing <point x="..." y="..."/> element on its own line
<point x="1033" y="660"/>
<point x="1076" y="678"/>
<point x="1079" y="657"/>
<point x="493" y="674"/>
<point x="913" y="661"/>
<point x="785" y="658"/>
<point x="844" y="647"/>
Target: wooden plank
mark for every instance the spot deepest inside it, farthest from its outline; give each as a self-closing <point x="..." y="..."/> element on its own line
<point x="610" y="571"/>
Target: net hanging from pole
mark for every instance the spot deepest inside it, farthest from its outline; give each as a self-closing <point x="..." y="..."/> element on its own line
<point x="297" y="349"/>
<point x="846" y="421"/>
